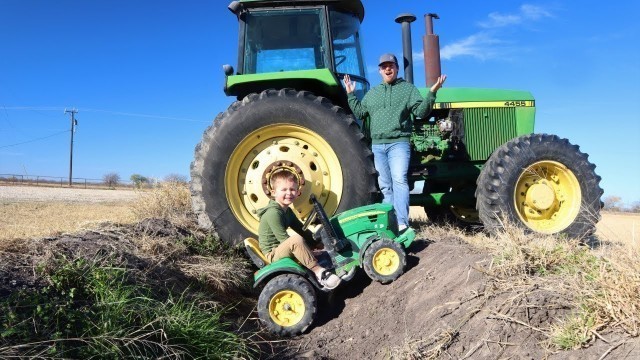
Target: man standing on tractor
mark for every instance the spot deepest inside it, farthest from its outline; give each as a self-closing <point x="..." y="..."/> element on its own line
<point x="390" y="107"/>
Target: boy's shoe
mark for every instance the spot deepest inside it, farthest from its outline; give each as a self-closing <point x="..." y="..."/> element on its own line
<point x="402" y="228"/>
<point x="329" y="280"/>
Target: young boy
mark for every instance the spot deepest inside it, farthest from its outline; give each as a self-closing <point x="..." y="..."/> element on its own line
<point x="276" y="217"/>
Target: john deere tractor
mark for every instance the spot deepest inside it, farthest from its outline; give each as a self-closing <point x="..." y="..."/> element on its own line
<point x="475" y="160"/>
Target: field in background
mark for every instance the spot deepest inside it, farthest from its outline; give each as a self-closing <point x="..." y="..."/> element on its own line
<point x="27" y="211"/>
<point x="38" y="211"/>
<point x="30" y="219"/>
<point x="614" y="227"/>
<point x="620" y="227"/>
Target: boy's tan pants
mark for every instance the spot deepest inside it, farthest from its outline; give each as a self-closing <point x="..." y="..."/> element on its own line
<point x="294" y="247"/>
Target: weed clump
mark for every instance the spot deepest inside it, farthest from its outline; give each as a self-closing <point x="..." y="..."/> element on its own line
<point x="168" y="200"/>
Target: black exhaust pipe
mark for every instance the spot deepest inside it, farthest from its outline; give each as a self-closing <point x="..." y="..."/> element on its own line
<point x="431" y="46"/>
<point x="407" y="52"/>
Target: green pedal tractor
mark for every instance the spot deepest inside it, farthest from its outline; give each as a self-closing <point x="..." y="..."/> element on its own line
<point x="365" y="237"/>
<point x="475" y="160"/>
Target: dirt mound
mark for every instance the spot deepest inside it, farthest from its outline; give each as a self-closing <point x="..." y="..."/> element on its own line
<point x="445" y="305"/>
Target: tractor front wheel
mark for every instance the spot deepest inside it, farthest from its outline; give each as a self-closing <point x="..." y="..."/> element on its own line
<point x="385" y="260"/>
<point x="287" y="305"/>
<point x="540" y="182"/>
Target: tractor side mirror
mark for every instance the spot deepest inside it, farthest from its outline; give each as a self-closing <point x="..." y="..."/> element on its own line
<point x="235" y="7"/>
<point x="228" y="69"/>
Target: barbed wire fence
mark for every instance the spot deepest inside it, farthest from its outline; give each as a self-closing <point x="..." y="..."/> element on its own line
<point x="59" y="181"/>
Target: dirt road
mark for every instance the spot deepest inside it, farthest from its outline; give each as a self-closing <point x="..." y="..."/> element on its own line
<point x="46" y="194"/>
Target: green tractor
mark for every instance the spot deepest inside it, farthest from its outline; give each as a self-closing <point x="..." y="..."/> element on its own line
<point x="365" y="237"/>
<point x="476" y="160"/>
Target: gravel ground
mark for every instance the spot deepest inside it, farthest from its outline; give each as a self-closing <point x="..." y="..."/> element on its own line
<point x="45" y="194"/>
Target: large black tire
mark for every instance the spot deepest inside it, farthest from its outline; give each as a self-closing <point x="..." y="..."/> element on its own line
<point x="542" y="183"/>
<point x="384" y="261"/>
<point x="278" y="129"/>
<point x="287" y="305"/>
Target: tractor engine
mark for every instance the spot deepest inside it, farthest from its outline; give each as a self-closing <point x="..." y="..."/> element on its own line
<point x="440" y="137"/>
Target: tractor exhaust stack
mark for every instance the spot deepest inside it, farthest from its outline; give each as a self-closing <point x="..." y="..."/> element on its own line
<point x="431" y="45"/>
<point x="406" y="20"/>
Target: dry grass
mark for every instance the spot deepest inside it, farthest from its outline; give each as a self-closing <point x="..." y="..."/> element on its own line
<point x="620" y="227"/>
<point x="23" y="220"/>
<point x="222" y="273"/>
<point x="221" y="269"/>
<point x="602" y="282"/>
<point x="171" y="201"/>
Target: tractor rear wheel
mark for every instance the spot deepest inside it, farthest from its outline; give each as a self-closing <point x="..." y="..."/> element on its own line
<point x="542" y="183"/>
<point x="287" y="305"/>
<point x="269" y="132"/>
<point x="385" y="260"/>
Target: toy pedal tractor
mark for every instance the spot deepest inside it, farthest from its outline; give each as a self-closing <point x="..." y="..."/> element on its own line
<point x="365" y="237"/>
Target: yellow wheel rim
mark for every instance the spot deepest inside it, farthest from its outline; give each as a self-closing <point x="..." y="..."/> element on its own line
<point x="386" y="261"/>
<point x="286" y="308"/>
<point x="281" y="146"/>
<point x="547" y="197"/>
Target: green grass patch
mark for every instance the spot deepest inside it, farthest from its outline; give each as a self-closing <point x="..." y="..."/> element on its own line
<point x="96" y="311"/>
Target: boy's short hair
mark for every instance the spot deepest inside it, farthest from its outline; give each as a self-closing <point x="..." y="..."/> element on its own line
<point x="282" y="175"/>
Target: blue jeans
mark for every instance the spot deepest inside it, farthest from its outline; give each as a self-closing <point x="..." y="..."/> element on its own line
<point x="392" y="162"/>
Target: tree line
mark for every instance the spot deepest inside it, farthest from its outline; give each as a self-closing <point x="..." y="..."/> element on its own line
<point x="615" y="203"/>
<point x="113" y="179"/>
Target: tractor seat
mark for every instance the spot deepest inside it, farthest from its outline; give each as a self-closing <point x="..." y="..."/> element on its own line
<point x="256" y="255"/>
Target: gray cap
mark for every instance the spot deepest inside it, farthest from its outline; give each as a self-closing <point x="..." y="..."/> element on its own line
<point x="387" y="58"/>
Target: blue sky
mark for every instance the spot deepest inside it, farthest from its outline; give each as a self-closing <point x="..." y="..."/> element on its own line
<point x="146" y="76"/>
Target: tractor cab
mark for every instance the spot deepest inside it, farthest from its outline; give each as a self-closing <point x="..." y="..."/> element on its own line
<point x="307" y="45"/>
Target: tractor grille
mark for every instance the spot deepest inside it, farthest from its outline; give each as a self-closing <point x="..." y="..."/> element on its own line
<point x="486" y="129"/>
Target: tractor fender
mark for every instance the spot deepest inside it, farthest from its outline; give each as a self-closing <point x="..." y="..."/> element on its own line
<point x="284" y="266"/>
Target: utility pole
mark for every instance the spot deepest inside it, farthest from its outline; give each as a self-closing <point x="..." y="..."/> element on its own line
<point x="74" y="122"/>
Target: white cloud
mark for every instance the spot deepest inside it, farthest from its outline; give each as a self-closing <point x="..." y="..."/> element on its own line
<point x="479" y="45"/>
<point x="534" y="12"/>
<point x="500" y="20"/>
<point x="485" y="45"/>
<point x="525" y="13"/>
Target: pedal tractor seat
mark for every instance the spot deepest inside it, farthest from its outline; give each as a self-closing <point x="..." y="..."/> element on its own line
<point x="256" y="255"/>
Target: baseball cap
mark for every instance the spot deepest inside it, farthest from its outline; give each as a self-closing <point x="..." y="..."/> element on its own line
<point x="387" y="58"/>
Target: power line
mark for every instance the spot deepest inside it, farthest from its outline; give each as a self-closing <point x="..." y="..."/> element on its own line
<point x="30" y="141"/>
<point x="50" y="108"/>
<point x="145" y="115"/>
<point x="74" y="123"/>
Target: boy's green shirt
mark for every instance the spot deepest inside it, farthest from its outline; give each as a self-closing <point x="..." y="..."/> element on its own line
<point x="389" y="107"/>
<point x="274" y="221"/>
